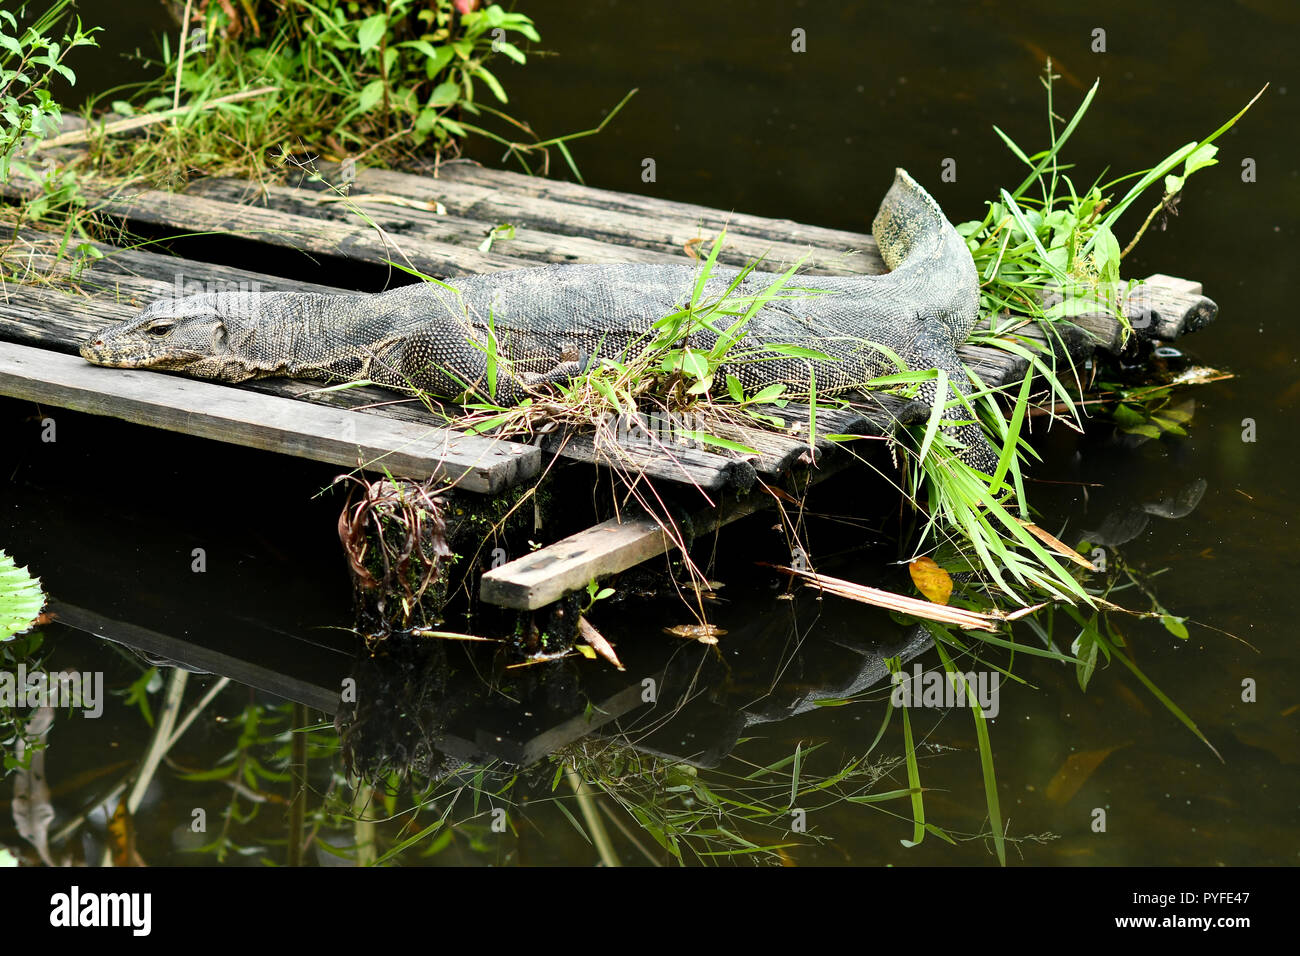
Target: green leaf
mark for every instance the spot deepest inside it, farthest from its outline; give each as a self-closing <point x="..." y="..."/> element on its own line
<point x="687" y="362"/>
<point x="982" y="738"/>
<point x="21" y="598"/>
<point x="1107" y="253"/>
<point x="707" y="439"/>
<point x="444" y="94"/>
<point x="1200" y="159"/>
<point x="510" y="50"/>
<point x="936" y="415"/>
<point x="493" y="84"/>
<point x="452" y="126"/>
<point x="371" y="32"/>
<point x="798" y="351"/>
<point x="768" y="394"/>
<point x="371" y="94"/>
<point x="1174" y="625"/>
<point x="436" y="58"/>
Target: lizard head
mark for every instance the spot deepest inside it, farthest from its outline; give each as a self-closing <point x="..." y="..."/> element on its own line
<point x="190" y="334"/>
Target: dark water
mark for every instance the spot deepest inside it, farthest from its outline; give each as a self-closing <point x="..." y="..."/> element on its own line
<point x="734" y="119"/>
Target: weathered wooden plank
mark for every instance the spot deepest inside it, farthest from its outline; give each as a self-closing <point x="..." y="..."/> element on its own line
<point x="306" y="234"/>
<point x="54" y="319"/>
<point x="630" y="206"/>
<point x="139" y="276"/>
<point x="241" y="417"/>
<point x="634" y="223"/>
<point x="546" y="575"/>
<point x="406" y="224"/>
<point x="776" y="453"/>
<point x="1175" y="284"/>
<point x="699" y="467"/>
<point x="1164" y="307"/>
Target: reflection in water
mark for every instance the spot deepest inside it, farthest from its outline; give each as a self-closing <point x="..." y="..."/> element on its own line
<point x="925" y="95"/>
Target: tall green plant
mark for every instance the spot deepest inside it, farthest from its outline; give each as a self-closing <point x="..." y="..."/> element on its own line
<point x="391" y="73"/>
<point x="29" y="61"/>
<point x="1048" y="236"/>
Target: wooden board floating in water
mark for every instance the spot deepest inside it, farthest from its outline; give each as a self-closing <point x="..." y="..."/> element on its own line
<point x="546" y="575"/>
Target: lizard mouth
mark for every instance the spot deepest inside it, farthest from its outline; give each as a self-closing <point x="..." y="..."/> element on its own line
<point x="95" y="351"/>
<point x="98" y="352"/>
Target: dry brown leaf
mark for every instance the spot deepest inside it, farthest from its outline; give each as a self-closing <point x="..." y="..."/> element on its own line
<point x="598" y="643"/>
<point x="704" y="633"/>
<point x="451" y="635"/>
<point x="1074" y="773"/>
<point x="1060" y="547"/>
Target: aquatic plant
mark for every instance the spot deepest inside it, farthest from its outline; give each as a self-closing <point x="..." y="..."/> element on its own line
<point x="21" y="598"/>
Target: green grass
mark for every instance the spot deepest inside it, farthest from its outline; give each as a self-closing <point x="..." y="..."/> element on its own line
<point x="1050" y="235"/>
<point x="408" y="82"/>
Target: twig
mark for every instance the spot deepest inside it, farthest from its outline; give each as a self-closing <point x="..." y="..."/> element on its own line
<point x="587" y="804"/>
<point x="298" y="785"/>
<point x="162" y="733"/>
<point x="180" y="57"/>
<point x="623" y="828"/>
<point x="135" y="122"/>
<point x="184" y="725"/>
<point x="895" y="602"/>
<point x="1150" y="216"/>
<point x="112" y="796"/>
<point x="171" y="706"/>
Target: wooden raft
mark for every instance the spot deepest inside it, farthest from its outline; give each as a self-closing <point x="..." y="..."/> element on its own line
<point x="437" y="226"/>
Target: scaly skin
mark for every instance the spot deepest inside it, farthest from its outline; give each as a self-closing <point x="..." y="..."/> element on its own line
<point x="550" y="322"/>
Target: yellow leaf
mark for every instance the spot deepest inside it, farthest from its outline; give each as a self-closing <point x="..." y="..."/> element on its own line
<point x="121" y="837"/>
<point x="930" y="579"/>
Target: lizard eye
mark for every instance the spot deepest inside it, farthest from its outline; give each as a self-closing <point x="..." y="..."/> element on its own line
<point x="160" y="329"/>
